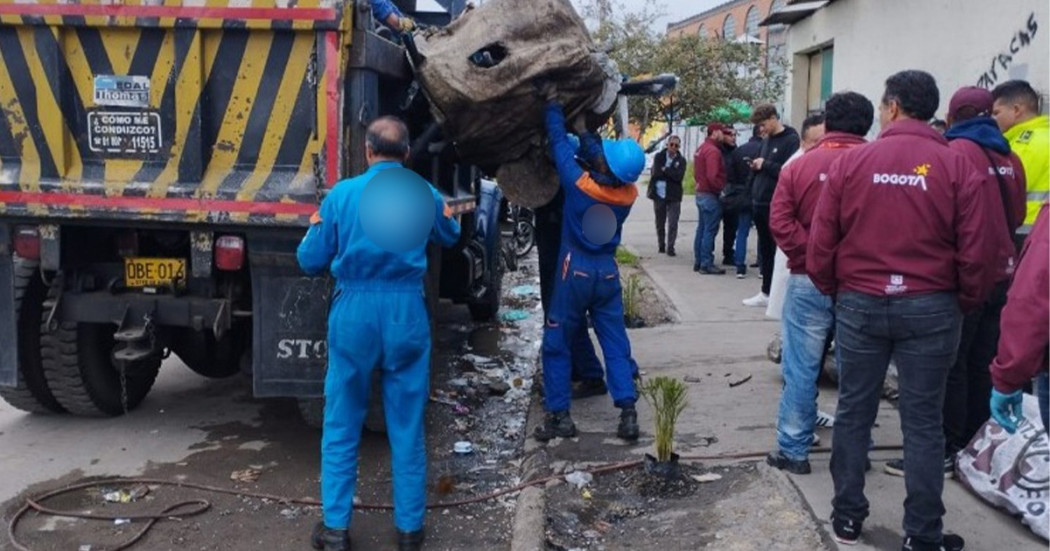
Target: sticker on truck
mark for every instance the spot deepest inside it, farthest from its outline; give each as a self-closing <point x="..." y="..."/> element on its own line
<point x="122" y="91"/>
<point x="130" y="133"/>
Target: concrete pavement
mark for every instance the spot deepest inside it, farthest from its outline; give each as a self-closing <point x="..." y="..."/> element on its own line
<point x="718" y="340"/>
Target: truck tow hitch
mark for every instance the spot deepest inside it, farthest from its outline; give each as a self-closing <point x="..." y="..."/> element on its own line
<point x="137" y="334"/>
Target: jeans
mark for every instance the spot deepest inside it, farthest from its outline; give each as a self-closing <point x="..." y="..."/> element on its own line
<point x="969" y="385"/>
<point x="921" y="333"/>
<point x="743" y="228"/>
<point x="667" y="213"/>
<point x="710" y="214"/>
<point x="730" y="219"/>
<point x="767" y="248"/>
<point x="807" y="321"/>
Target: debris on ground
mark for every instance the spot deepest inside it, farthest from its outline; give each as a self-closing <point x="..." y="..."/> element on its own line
<point x="514" y="315"/>
<point x="246" y="475"/>
<point x="707" y="477"/>
<point x="579" y="478"/>
<point x="692" y="379"/>
<point x="738" y="382"/>
<point x="125" y="495"/>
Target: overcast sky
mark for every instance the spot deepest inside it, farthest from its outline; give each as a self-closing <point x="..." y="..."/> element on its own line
<point x="676" y="10"/>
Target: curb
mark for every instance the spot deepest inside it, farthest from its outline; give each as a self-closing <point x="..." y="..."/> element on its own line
<point x="528" y="530"/>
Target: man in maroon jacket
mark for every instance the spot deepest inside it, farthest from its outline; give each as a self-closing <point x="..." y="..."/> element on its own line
<point x="900" y="238"/>
<point x="975" y="135"/>
<point x="808" y="314"/>
<point x="1024" y="340"/>
<point x="709" y="171"/>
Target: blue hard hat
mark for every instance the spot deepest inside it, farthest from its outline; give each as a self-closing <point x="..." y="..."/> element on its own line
<point x="625" y="158"/>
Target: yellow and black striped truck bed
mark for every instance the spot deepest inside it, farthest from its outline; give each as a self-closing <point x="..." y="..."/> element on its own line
<point x="199" y="111"/>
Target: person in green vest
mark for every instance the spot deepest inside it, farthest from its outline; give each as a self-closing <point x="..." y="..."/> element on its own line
<point x="1016" y="110"/>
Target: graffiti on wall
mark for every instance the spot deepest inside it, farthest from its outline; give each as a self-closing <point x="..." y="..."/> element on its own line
<point x="1002" y="61"/>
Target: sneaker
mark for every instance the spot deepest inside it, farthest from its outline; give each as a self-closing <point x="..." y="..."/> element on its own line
<point x="950" y="542"/>
<point x="825" y="419"/>
<point x="816" y="440"/>
<point x="728" y="262"/>
<point x="711" y="270"/>
<point x="741" y="272"/>
<point x="589" y="387"/>
<point x="753" y="265"/>
<point x="780" y="461"/>
<point x="760" y="299"/>
<point x="896" y="467"/>
<point x="661" y="248"/>
<point x="847" y="532"/>
<point x="558" y="424"/>
<point x="628" y="429"/>
<point x="670" y="252"/>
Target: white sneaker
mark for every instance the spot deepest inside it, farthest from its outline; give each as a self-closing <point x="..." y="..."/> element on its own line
<point x="825" y="419"/>
<point x="760" y="299"/>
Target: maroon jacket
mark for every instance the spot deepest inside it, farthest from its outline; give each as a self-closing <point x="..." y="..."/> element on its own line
<point x="1023" y="337"/>
<point x="798" y="189"/>
<point x="709" y="169"/>
<point x="903" y="216"/>
<point x="1010" y="168"/>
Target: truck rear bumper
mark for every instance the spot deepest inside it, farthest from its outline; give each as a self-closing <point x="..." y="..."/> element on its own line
<point x="128" y="308"/>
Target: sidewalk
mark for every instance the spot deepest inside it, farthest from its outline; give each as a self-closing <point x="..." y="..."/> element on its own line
<point x="717" y="341"/>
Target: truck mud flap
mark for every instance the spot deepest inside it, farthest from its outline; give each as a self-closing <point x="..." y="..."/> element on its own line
<point x="290" y="311"/>
<point x="8" y="319"/>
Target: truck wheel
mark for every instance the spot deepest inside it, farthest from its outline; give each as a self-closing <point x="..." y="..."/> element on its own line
<point x="79" y="367"/>
<point x="31" y="393"/>
<point x="212" y="358"/>
<point x="486" y="308"/>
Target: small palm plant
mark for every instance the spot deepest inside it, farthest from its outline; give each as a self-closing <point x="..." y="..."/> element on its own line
<point x="632" y="294"/>
<point x="668" y="399"/>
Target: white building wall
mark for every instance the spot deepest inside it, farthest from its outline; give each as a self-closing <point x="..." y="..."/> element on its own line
<point x="959" y="42"/>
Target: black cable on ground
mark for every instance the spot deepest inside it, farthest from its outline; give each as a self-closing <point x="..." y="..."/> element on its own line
<point x="195" y="507"/>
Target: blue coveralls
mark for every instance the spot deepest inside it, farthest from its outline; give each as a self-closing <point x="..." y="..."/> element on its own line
<point x="588" y="279"/>
<point x="381" y="9"/>
<point x="378" y="319"/>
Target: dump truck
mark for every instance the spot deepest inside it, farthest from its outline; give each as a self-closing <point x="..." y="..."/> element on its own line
<point x="159" y="164"/>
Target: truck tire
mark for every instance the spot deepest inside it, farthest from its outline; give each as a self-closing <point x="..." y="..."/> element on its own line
<point x="79" y="367"/>
<point x="486" y="308"/>
<point x="31" y="393"/>
<point x="208" y="357"/>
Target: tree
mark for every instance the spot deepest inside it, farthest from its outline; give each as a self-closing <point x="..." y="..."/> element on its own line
<point x="716" y="77"/>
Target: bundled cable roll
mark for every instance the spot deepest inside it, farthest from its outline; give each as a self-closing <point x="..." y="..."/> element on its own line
<point x="479" y="74"/>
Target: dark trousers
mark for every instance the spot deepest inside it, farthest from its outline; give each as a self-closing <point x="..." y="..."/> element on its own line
<point x="921" y="333"/>
<point x="969" y="385"/>
<point x="667" y="214"/>
<point x="767" y="248"/>
<point x="730" y="219"/>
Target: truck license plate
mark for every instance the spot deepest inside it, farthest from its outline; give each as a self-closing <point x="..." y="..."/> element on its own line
<point x="154" y="272"/>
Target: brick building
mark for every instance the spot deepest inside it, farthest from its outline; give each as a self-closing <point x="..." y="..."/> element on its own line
<point x="732" y="20"/>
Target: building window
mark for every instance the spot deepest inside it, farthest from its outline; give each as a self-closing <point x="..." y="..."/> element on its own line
<point x="751" y="23"/>
<point x="703" y="31"/>
<point x="777" y="6"/>
<point x="821" y="65"/>
<point x="729" y="28"/>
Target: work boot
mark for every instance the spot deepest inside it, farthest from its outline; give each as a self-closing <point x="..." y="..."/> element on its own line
<point x="327" y="539"/>
<point x="589" y="387"/>
<point x="628" y="429"/>
<point x="410" y="541"/>
<point x="558" y="424"/>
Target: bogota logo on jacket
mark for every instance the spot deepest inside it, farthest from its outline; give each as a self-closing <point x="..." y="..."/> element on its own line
<point x="916" y="179"/>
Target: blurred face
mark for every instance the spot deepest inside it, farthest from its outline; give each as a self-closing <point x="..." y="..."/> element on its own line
<point x="811" y="136"/>
<point x="1007" y="115"/>
<point x="729" y="138"/>
<point x="889" y="112"/>
<point x="674" y="147"/>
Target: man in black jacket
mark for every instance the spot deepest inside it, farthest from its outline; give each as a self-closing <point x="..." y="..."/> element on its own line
<point x="729" y="216"/>
<point x="665" y="189"/>
<point x="737" y="196"/>
<point x="780" y="143"/>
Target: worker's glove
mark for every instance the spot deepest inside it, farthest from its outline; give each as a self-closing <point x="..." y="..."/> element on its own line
<point x="1006" y="409"/>
<point x="406" y="24"/>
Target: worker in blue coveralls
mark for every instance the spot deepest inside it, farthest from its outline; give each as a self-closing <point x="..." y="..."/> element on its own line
<point x="597" y="201"/>
<point x="371" y="235"/>
<point x="387" y="13"/>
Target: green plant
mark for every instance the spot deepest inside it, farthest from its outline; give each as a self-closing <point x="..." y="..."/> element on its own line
<point x="625" y="257"/>
<point x="688" y="183"/>
<point x="668" y="399"/>
<point x="632" y="294"/>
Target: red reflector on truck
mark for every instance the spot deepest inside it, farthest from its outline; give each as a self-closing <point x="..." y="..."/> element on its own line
<point x="27" y="242"/>
<point x="229" y="253"/>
